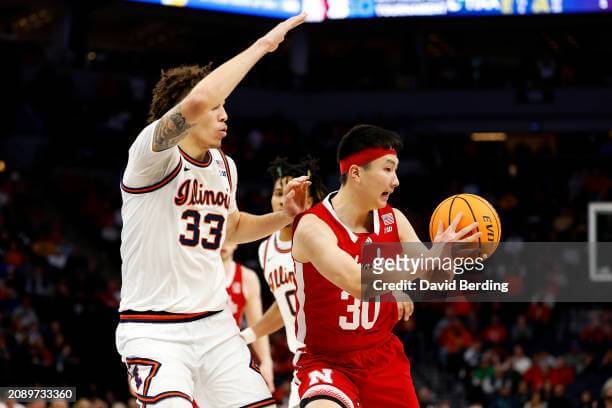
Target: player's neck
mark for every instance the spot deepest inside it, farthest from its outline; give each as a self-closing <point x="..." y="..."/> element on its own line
<point x="350" y="212"/>
<point x="194" y="149"/>
<point x="285" y="233"/>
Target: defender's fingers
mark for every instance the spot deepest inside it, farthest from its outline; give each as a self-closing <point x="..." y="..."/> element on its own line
<point x="293" y="184"/>
<point x="301" y="179"/>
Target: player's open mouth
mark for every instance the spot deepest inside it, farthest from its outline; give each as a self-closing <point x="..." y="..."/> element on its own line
<point x="386" y="194"/>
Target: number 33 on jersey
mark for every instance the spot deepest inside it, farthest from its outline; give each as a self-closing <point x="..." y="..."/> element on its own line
<point x="191" y="203"/>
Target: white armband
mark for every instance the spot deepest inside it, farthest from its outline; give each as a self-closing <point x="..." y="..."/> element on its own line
<point x="248" y="335"/>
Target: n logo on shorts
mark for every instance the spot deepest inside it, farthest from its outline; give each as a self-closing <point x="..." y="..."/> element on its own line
<point x="324" y="375"/>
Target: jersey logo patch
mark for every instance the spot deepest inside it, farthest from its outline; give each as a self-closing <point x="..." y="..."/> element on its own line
<point x="388" y="229"/>
<point x="236" y="287"/>
<point x="388" y="219"/>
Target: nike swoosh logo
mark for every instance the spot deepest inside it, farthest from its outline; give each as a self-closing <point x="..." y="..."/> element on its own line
<point x="186" y="169"/>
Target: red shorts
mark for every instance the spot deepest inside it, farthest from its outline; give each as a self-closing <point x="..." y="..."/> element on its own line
<point x="377" y="377"/>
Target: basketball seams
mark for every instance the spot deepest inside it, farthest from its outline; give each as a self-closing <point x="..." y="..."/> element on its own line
<point x="450" y="208"/>
<point x="490" y="207"/>
<point x="475" y="205"/>
<point x="473" y="217"/>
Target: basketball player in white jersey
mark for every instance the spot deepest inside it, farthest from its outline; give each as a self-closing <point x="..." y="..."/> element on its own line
<point x="244" y="297"/>
<point x="178" y="340"/>
<point x="276" y="262"/>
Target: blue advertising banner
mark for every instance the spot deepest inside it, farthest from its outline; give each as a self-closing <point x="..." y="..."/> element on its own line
<point x="319" y="10"/>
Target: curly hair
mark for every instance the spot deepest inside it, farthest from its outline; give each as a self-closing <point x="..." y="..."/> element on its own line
<point x="173" y="85"/>
<point x="281" y="167"/>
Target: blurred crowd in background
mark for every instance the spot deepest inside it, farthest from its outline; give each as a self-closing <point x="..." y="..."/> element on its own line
<point x="60" y="222"/>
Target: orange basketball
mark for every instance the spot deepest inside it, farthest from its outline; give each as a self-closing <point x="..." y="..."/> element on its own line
<point x="474" y="209"/>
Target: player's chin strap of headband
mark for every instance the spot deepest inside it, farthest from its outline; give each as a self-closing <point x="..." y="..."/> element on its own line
<point x="364" y="156"/>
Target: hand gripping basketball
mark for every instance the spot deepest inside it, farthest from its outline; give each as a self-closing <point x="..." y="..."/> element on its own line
<point x="477" y="214"/>
<point x="451" y="234"/>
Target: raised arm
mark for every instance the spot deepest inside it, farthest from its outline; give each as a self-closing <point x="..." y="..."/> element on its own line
<point x="244" y="227"/>
<point x="211" y="91"/>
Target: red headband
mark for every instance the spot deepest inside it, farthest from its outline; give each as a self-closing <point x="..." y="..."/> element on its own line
<point x="364" y="156"/>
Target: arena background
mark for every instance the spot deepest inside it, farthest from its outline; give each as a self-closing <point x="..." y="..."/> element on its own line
<point x="517" y="109"/>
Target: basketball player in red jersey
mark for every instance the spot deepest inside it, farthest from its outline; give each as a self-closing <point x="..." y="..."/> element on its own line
<point x="244" y="293"/>
<point x="351" y="357"/>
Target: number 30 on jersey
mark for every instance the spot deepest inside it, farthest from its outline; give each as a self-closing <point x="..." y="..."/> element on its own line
<point x="358" y="314"/>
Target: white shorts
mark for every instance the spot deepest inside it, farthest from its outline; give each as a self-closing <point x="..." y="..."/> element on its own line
<point x="203" y="361"/>
<point x="294" y="397"/>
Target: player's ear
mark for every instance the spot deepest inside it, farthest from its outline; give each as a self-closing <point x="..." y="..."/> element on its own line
<point x="354" y="172"/>
<point x="309" y="201"/>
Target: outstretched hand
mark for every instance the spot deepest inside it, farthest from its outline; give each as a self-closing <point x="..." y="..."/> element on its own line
<point x="274" y="37"/>
<point x="296" y="196"/>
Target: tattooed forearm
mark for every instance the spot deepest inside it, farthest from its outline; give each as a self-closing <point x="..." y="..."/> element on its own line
<point x="170" y="129"/>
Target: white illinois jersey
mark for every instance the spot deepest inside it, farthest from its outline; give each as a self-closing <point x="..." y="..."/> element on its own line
<point x="278" y="268"/>
<point x="175" y="212"/>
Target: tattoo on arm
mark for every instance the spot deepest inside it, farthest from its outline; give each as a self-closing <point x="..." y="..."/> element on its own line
<point x="170" y="129"/>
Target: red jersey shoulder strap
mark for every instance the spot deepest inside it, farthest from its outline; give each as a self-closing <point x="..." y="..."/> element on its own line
<point x="238" y="273"/>
<point x="388" y="223"/>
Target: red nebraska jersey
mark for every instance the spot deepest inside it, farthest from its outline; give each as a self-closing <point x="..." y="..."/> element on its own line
<point x="329" y="319"/>
<point x="235" y="290"/>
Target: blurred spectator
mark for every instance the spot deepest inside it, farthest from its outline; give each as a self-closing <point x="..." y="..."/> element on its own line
<point x="606" y="394"/>
<point x="586" y="400"/>
<point x="495" y="333"/>
<point x="558" y="398"/>
<point x="538" y="373"/>
<point x="505" y="399"/>
<point x="520" y="362"/>
<point x="521" y="332"/>
<point x="11" y="404"/>
<point x="536" y="401"/>
<point x="561" y="374"/>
